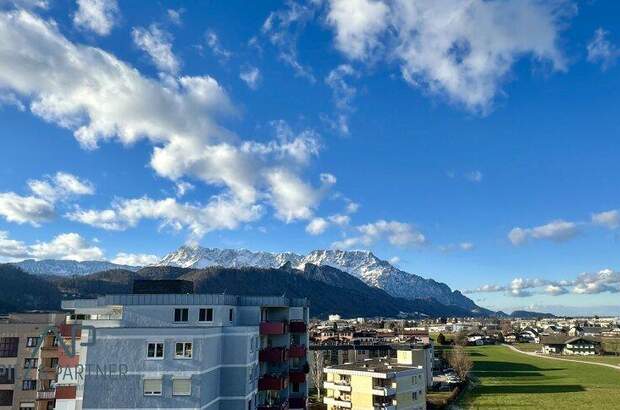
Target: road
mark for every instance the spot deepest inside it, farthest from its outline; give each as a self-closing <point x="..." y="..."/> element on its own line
<point x="561" y="358"/>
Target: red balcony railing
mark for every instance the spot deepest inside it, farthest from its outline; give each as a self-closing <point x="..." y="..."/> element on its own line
<point x="297" y="402"/>
<point x="272" y="328"/>
<point x="273" y="355"/>
<point x="298" y="327"/>
<point x="297" y="351"/>
<point x="272" y="383"/>
<point x="297" y="376"/>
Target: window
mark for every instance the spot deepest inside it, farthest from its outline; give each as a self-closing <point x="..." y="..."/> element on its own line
<point x="206" y="315"/>
<point x="6" y="398"/>
<point x="183" y="350"/>
<point x="155" y="351"/>
<point x="181" y="387"/>
<point x="32" y="341"/>
<point x="414" y="396"/>
<point x="230" y="315"/>
<point x="9" y="346"/>
<point x="7" y="375"/>
<point x="29" y="385"/>
<point x="30" y="363"/>
<point x="152" y="387"/>
<point x="181" y="315"/>
<point x="54" y="362"/>
<point x="24" y="406"/>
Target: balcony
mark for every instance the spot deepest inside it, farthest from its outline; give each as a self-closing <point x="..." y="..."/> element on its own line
<point x="273" y="355"/>
<point x="330" y="401"/>
<point x="297" y="376"/>
<point x="272" y="328"/>
<point x="49" y="394"/>
<point x="297" y="403"/>
<point x="383" y="391"/>
<point x="298" y="327"/>
<point x="297" y="351"/>
<point x="280" y="406"/>
<point x="338" y="386"/>
<point x="272" y="383"/>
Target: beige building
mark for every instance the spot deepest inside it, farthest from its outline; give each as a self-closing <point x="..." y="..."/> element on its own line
<point x="27" y="372"/>
<point x="376" y="384"/>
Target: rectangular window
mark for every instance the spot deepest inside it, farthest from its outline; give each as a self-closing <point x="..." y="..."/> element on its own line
<point x="9" y="346"/>
<point x="181" y="315"/>
<point x="181" y="387"/>
<point x="206" y="315"/>
<point x="54" y="362"/>
<point x="6" y="398"/>
<point x="32" y="341"/>
<point x="183" y="350"/>
<point x="29" y="385"/>
<point x="30" y="363"/>
<point x="24" y="406"/>
<point x="230" y="315"/>
<point x="155" y="350"/>
<point x="7" y="375"/>
<point x="152" y="387"/>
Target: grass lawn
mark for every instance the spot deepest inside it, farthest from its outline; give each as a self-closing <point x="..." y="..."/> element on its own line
<point x="510" y="380"/>
<point x="533" y="347"/>
<point x="528" y="347"/>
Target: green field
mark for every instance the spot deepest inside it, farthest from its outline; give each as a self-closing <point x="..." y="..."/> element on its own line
<point x="610" y="359"/>
<point x="509" y="380"/>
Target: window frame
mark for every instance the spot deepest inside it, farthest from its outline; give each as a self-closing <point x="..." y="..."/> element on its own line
<point x="183" y="357"/>
<point x="206" y="315"/>
<point x="31" y="339"/>
<point x="155" y="357"/>
<point x="231" y="315"/>
<point x="152" y="393"/>
<point x="31" y="382"/>
<point x="185" y="379"/>
<point x="184" y="315"/>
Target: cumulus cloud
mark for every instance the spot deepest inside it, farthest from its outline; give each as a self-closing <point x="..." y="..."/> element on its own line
<point x="135" y="259"/>
<point x="220" y="213"/>
<point x="394" y="232"/>
<point x="40" y="206"/>
<point x="605" y="280"/>
<point x="251" y="77"/>
<point x="282" y="29"/>
<point x="66" y="246"/>
<point x="175" y="16"/>
<point x="100" y="98"/>
<point x="213" y="41"/>
<point x="157" y="43"/>
<point x="608" y="219"/>
<point x="557" y="231"/>
<point x="183" y="187"/>
<point x="601" y="50"/>
<point x="98" y="16"/>
<point x="317" y="226"/>
<point x="463" y="50"/>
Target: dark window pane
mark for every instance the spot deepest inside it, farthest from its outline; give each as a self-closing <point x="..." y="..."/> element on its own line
<point x="6" y="397"/>
<point x="209" y="315"/>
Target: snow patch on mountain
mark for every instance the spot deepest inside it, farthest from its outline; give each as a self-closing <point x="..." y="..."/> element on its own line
<point x="68" y="267"/>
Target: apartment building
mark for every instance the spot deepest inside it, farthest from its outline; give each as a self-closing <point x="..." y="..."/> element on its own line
<point x="376" y="384"/>
<point x="186" y="351"/>
<point x="28" y="360"/>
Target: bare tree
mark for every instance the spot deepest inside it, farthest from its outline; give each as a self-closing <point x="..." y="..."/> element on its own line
<point x="316" y="370"/>
<point x="460" y="361"/>
<point x="506" y="328"/>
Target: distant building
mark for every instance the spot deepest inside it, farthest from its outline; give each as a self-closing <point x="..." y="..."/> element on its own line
<point x="334" y="318"/>
<point x="570" y="345"/>
<point x="385" y="384"/>
<point x="187" y="351"/>
<point x="28" y="360"/>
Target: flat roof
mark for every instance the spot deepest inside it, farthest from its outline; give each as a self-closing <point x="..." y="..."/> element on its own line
<point x="380" y="368"/>
<point x="183" y="299"/>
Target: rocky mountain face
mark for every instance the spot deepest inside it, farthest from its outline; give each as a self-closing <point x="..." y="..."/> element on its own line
<point x="362" y="264"/>
<point x="67" y="267"/>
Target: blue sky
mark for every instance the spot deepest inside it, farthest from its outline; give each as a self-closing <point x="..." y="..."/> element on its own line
<point x="479" y="153"/>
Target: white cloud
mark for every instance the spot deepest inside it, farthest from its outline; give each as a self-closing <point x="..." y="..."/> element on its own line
<point x="343" y="94"/>
<point x="557" y="231"/>
<point x="463" y="246"/>
<point x="250" y="76"/>
<point x="216" y="47"/>
<point x="220" y="213"/>
<point x="183" y="187"/>
<point x="474" y="176"/>
<point x="67" y="246"/>
<point x="39" y="207"/>
<point x="602" y="51"/>
<point x="608" y="219"/>
<point x="338" y="219"/>
<point x="396" y="233"/>
<point x="352" y="207"/>
<point x="135" y="259"/>
<point x="176" y="16"/>
<point x="394" y="260"/>
<point x="99" y="16"/>
<point x="25" y="209"/>
<point x="26" y="4"/>
<point x="317" y="226"/>
<point x="101" y="98"/>
<point x="157" y="43"/>
<point x="555" y="290"/>
<point x="461" y="49"/>
<point x="282" y="28"/>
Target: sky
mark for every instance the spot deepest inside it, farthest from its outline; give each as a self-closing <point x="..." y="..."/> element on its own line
<point x="472" y="142"/>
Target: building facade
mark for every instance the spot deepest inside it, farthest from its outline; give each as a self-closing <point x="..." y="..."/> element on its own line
<point x="185" y="351"/>
<point x="376" y="384"/>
